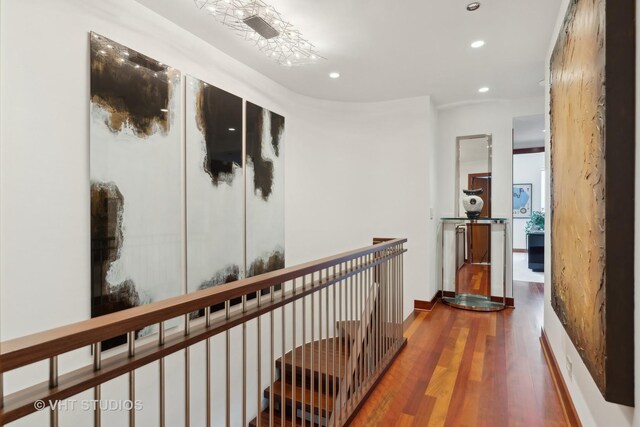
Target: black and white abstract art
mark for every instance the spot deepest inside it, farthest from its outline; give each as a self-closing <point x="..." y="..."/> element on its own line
<point x="215" y="186"/>
<point x="265" y="190"/>
<point x="136" y="179"/>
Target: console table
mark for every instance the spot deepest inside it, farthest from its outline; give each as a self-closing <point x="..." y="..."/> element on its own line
<point x="469" y="301"/>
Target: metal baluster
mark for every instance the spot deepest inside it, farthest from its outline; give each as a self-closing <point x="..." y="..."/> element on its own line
<point x="360" y="309"/>
<point x="97" y="364"/>
<point x="227" y="309"/>
<point x="378" y="278"/>
<point x="283" y="370"/>
<point x="161" y="363"/>
<point x="294" y="371"/>
<point x="399" y="314"/>
<point x="207" y="317"/>
<point x="353" y="336"/>
<point x="187" y="375"/>
<point x="244" y="364"/>
<point x="53" y="382"/>
<point x="337" y="406"/>
<point x="313" y="345"/>
<point x="259" y="361"/>
<point x="320" y="350"/>
<point x="394" y="300"/>
<point x="386" y="306"/>
<point x="272" y="359"/>
<point x="371" y="315"/>
<point x="367" y="319"/>
<point x="402" y="281"/>
<point x="131" y="341"/>
<point x="304" y="343"/>
<point x="326" y="350"/>
<point x="336" y="346"/>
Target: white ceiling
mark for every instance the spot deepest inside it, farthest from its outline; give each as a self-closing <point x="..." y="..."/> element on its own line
<point x="528" y="131"/>
<point x="387" y="49"/>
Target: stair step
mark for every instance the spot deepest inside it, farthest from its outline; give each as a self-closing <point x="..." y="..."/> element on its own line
<point x="329" y="348"/>
<point x="319" y="399"/>
<point x="264" y="420"/>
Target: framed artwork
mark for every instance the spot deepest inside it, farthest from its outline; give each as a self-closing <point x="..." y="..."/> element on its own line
<point x="522" y="200"/>
<point x="215" y="186"/>
<point x="592" y="216"/>
<point x="135" y="171"/>
<point x="265" y="190"/>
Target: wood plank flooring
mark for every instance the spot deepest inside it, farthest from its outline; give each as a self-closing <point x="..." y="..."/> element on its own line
<point x="463" y="368"/>
<point x="474" y="279"/>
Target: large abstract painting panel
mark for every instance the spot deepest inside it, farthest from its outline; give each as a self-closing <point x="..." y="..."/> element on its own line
<point x="592" y="151"/>
<point x="136" y="179"/>
<point x="215" y="186"/>
<point x="265" y="190"/>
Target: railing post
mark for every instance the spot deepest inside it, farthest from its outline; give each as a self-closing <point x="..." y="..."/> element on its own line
<point x="97" y="355"/>
<point x="53" y="382"/>
<point x="131" y="342"/>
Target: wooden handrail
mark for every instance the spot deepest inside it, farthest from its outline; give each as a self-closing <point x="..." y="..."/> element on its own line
<point x="33" y="348"/>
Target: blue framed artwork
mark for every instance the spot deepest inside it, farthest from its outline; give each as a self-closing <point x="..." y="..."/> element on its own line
<point x="522" y="200"/>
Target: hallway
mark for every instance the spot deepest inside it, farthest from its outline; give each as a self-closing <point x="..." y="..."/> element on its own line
<point x="463" y="368"/>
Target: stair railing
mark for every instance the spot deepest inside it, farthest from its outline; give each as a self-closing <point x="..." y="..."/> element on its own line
<point x="340" y="328"/>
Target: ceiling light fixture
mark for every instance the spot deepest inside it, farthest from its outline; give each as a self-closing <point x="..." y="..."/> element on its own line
<point x="262" y="25"/>
<point x="478" y="43"/>
<point x="334" y="75"/>
<point x="483" y="89"/>
<point x="473" y="6"/>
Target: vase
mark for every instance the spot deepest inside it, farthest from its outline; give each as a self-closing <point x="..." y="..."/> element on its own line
<point x="472" y="203"/>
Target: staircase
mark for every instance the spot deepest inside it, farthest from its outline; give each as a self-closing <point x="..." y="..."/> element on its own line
<point x="317" y="394"/>
<point x="315" y="380"/>
<point x="314" y="401"/>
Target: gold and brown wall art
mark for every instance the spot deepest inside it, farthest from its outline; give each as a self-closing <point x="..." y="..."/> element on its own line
<point x="592" y="188"/>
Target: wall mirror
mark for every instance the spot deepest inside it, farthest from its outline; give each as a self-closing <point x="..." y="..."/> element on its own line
<point x="473" y="239"/>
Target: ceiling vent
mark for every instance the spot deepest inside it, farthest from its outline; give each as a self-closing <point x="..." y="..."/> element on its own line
<point x="261" y="27"/>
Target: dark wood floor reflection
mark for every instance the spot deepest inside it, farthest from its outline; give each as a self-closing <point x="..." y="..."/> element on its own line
<point x="463" y="368"/>
<point x="474" y="279"/>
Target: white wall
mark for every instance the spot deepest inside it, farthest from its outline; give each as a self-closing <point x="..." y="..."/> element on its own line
<point x="526" y="170"/>
<point x="592" y="409"/>
<point x="493" y="117"/>
<point x="353" y="171"/>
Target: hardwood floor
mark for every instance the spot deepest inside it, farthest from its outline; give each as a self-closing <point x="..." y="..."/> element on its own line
<point x="474" y="279"/>
<point x="464" y="368"/>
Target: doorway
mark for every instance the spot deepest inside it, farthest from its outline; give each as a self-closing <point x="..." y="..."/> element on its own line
<point x="528" y="198"/>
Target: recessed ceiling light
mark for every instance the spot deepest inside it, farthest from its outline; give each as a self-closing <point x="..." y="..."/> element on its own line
<point x="334" y="75"/>
<point x="478" y="43"/>
<point x="483" y="89"/>
<point x="473" y="6"/>
<point x="164" y="110"/>
<point x="232" y="129"/>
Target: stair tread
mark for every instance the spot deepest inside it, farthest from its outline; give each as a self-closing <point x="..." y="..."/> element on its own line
<point x="326" y="352"/>
<point x="264" y="420"/>
<point x="325" y="401"/>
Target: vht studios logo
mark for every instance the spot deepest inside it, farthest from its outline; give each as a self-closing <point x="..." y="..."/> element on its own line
<point x="89" y="405"/>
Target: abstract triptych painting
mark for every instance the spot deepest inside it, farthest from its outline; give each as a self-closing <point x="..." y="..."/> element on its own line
<point x="265" y="190"/>
<point x="233" y="169"/>
<point x="215" y="186"/>
<point x="136" y="181"/>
